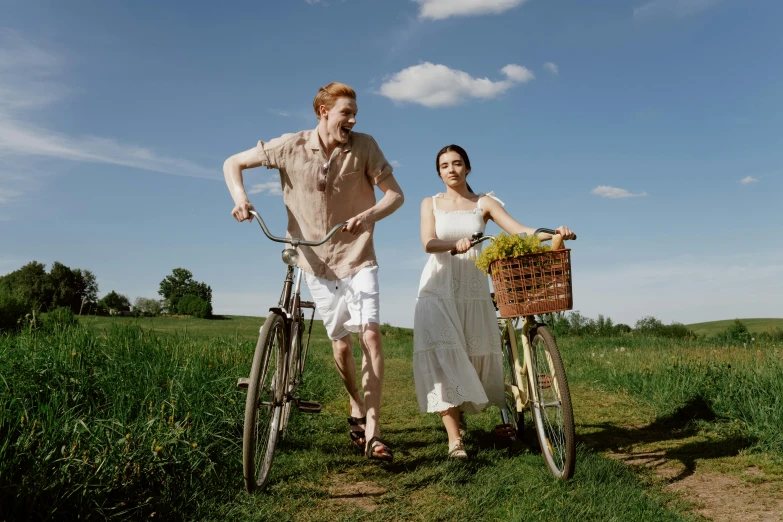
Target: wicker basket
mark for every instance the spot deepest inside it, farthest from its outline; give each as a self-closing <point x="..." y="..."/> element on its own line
<point x="533" y="283"/>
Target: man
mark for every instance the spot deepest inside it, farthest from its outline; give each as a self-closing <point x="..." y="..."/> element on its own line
<point x="328" y="176"/>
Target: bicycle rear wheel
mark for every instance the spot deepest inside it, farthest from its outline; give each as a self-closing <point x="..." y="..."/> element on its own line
<point x="265" y="399"/>
<point x="514" y="417"/>
<point x="552" y="412"/>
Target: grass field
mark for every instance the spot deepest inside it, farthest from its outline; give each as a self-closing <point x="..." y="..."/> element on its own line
<point x="136" y="419"/>
<point x="753" y="325"/>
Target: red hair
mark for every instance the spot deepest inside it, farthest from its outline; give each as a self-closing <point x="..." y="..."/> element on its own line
<point x="327" y="96"/>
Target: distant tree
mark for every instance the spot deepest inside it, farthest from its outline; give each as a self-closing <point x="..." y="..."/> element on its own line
<point x="29" y="284"/>
<point x="148" y="307"/>
<point x="604" y="326"/>
<point x="738" y="332"/>
<point x="649" y="325"/>
<point x="115" y="301"/>
<point x="179" y="284"/>
<point x="88" y="288"/>
<point x="622" y="328"/>
<point x="65" y="286"/>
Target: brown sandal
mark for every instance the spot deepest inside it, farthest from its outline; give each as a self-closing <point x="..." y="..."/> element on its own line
<point x="385" y="452"/>
<point x="357" y="436"/>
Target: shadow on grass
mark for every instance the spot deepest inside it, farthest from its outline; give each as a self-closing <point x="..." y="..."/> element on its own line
<point x="681" y="424"/>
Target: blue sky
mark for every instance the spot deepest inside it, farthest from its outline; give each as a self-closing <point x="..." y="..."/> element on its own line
<point x="653" y="128"/>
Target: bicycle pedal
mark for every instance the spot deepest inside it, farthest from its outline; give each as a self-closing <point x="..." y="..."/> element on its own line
<point x="243" y="383"/>
<point x="308" y="406"/>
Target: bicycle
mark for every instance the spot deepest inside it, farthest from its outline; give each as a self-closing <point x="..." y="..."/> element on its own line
<point x="277" y="368"/>
<point x="545" y="391"/>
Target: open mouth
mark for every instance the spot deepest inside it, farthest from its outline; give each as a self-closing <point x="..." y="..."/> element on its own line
<point x="346" y="130"/>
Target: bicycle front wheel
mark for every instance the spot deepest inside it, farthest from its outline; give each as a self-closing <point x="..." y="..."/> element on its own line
<point x="551" y="407"/>
<point x="265" y="399"/>
<point x="294" y="373"/>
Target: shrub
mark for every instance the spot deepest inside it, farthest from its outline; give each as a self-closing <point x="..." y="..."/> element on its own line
<point x="652" y="326"/>
<point x="57" y="319"/>
<point x="195" y="306"/>
<point x="12" y="310"/>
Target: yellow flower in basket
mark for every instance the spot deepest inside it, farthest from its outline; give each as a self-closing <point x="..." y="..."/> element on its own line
<point x="505" y="246"/>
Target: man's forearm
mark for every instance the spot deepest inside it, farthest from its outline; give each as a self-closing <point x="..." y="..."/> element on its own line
<point x="390" y="202"/>
<point x="232" y="172"/>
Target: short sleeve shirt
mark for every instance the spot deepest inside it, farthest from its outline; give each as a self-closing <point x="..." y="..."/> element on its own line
<point x="355" y="168"/>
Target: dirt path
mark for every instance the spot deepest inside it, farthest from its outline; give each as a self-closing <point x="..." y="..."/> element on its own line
<point x="710" y="472"/>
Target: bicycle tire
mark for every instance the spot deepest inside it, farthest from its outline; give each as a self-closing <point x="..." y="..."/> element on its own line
<point x="515" y="417"/>
<point x="264" y="404"/>
<point x="294" y="370"/>
<point x="553" y="414"/>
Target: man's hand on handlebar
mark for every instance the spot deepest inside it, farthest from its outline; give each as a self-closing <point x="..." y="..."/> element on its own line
<point x="355" y="226"/>
<point x="241" y="211"/>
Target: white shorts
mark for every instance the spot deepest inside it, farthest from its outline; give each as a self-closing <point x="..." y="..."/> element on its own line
<point x="346" y="304"/>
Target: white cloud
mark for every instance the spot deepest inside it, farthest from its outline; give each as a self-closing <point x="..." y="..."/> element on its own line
<point x="436" y="85"/>
<point x="440" y="9"/>
<point x="517" y="73"/>
<point x="606" y="191"/>
<point x="278" y="112"/>
<point x="395" y="163"/>
<point x="19" y="139"/>
<point x="271" y="187"/>
<point x="27" y="84"/>
<point x="662" y="9"/>
<point x="552" y="67"/>
<point x="748" y="179"/>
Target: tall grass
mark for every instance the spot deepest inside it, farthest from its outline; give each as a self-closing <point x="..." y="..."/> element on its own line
<point x="741" y="386"/>
<point x="118" y="423"/>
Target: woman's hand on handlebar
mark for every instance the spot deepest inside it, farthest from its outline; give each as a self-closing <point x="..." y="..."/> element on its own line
<point x="242" y="210"/>
<point x="566" y="232"/>
<point x="462" y="245"/>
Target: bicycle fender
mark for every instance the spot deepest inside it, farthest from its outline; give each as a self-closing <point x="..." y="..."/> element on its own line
<point x="280" y="311"/>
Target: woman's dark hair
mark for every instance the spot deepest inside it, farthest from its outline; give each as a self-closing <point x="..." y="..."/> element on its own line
<point x="459" y="150"/>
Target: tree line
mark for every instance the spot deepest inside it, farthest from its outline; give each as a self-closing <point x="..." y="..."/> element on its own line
<point x="31" y="294"/>
<point x="575" y="324"/>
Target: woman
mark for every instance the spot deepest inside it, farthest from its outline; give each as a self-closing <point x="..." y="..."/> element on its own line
<point x="457" y="357"/>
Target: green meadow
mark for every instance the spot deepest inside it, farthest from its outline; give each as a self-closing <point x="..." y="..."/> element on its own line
<point x="125" y="418"/>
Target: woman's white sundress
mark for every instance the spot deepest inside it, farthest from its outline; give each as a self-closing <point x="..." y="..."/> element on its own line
<point x="457" y="359"/>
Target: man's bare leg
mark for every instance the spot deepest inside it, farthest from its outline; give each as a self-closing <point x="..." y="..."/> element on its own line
<point x="342" y="350"/>
<point x="372" y="376"/>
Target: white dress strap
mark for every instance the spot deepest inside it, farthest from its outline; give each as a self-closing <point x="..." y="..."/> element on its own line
<point x="490" y="195"/>
<point x="434" y="199"/>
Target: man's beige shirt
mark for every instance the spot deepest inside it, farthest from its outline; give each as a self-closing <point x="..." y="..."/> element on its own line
<point x="354" y="169"/>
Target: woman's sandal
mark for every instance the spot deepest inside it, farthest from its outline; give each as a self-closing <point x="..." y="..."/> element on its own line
<point x="357" y="436"/>
<point x="457" y="450"/>
<point x="385" y="452"/>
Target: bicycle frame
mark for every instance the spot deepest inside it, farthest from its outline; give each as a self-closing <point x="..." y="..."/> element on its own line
<point x="520" y="368"/>
<point x="290" y="304"/>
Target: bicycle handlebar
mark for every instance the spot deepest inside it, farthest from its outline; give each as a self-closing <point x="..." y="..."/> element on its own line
<point x="478" y="237"/>
<point x="295" y="241"/>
